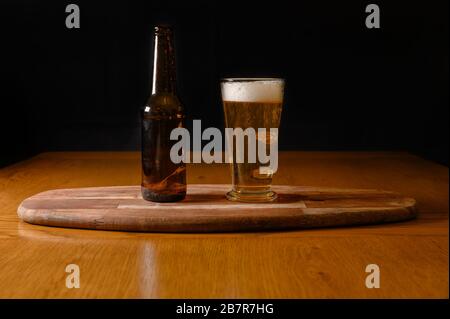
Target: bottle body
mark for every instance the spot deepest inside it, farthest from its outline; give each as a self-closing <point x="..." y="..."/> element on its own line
<point x="162" y="179"/>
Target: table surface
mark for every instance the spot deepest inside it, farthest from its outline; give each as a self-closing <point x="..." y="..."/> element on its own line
<point x="321" y="263"/>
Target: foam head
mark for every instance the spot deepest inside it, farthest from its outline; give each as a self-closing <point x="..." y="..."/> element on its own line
<point x="253" y="90"/>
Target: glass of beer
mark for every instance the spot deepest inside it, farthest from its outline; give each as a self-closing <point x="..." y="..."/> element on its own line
<point x="252" y="107"/>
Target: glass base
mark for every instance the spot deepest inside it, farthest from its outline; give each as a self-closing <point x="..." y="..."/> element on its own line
<point x="265" y="197"/>
<point x="161" y="198"/>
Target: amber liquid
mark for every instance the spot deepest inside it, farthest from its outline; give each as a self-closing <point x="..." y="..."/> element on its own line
<point x="162" y="180"/>
<point x="246" y="177"/>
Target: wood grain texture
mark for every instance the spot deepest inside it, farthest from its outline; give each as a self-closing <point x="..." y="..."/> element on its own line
<point x="316" y="263"/>
<point x="205" y="209"/>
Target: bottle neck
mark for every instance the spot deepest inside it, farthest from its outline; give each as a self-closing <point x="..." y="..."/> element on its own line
<point x="164" y="73"/>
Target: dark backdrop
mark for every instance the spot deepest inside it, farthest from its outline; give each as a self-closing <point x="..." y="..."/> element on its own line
<point x="348" y="87"/>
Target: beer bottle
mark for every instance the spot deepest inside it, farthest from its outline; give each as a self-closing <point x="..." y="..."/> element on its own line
<point x="162" y="180"/>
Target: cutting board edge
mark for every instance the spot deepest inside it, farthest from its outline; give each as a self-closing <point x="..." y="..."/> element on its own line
<point x="307" y="222"/>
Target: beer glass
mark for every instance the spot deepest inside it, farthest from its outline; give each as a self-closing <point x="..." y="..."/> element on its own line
<point x="252" y="107"/>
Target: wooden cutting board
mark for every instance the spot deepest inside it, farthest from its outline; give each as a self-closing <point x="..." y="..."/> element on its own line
<point x="206" y="209"/>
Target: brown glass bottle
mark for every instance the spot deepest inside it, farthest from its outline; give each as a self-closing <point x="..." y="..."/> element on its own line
<point x="162" y="180"/>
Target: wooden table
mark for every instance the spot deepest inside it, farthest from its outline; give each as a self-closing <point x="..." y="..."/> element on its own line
<point x="322" y="263"/>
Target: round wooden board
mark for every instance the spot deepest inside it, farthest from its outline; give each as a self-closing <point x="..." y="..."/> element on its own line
<point x="206" y="209"/>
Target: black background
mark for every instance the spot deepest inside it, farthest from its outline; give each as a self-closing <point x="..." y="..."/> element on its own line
<point x="348" y="87"/>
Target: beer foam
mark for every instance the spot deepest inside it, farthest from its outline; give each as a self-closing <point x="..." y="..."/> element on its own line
<point x="253" y="90"/>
